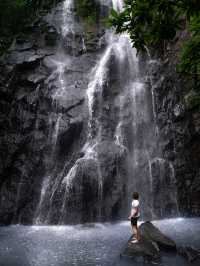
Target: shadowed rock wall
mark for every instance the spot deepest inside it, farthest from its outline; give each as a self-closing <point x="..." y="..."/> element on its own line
<point x="44" y="129"/>
<point x="178" y="128"/>
<point x="39" y="134"/>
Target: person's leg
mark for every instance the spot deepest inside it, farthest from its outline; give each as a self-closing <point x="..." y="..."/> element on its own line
<point x="133" y="227"/>
<point x="137" y="233"/>
<point x="134" y="239"/>
<point x="134" y="231"/>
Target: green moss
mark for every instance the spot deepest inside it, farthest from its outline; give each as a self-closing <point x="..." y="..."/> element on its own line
<point x="190" y="54"/>
<point x="192" y="99"/>
<point x="15" y="15"/>
<point x="88" y="10"/>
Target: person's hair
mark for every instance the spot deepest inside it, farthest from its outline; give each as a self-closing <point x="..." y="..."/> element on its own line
<point x="135" y="195"/>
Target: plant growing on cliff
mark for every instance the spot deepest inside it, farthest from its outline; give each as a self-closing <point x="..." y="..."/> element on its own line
<point x="190" y="62"/>
<point x="189" y="7"/>
<point x="190" y="54"/>
<point x="88" y="10"/>
<point x="148" y="22"/>
<point x="152" y="23"/>
<point x="15" y="15"/>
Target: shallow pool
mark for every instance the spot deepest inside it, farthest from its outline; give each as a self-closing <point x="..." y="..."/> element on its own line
<point x="83" y="245"/>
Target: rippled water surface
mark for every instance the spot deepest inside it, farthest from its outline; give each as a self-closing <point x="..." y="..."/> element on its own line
<point x="93" y="244"/>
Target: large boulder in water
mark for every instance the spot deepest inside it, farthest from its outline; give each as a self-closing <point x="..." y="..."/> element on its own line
<point x="151" y="242"/>
<point x="146" y="249"/>
<point x="149" y="232"/>
<point x="190" y="254"/>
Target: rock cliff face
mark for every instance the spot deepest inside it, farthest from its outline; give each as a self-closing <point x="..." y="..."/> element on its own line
<point x="39" y="132"/>
<point x="74" y="143"/>
<point x="44" y="124"/>
<point x="178" y="128"/>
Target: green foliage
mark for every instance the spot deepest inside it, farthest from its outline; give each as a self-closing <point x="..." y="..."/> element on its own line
<point x="88" y="10"/>
<point x="151" y="23"/>
<point x="192" y="99"/>
<point x="189" y="7"/>
<point x="15" y="15"/>
<point x="11" y="13"/>
<point x="148" y="22"/>
<point x="190" y="58"/>
<point x="190" y="54"/>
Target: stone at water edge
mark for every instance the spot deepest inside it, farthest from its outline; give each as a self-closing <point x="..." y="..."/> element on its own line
<point x="189" y="253"/>
<point x="148" y="248"/>
<point x="145" y="249"/>
<point x="149" y="232"/>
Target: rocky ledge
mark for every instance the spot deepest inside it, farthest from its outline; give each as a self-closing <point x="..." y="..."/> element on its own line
<point x="153" y="242"/>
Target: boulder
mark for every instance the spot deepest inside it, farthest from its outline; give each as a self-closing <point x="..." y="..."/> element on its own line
<point x="21" y="45"/>
<point x="51" y="36"/>
<point x="146" y="249"/>
<point x="189" y="253"/>
<point x="23" y="58"/>
<point x="152" y="242"/>
<point x="149" y="232"/>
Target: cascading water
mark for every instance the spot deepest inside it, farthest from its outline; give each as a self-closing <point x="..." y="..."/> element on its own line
<point x="121" y="152"/>
<point x="60" y="62"/>
<point x="119" y="50"/>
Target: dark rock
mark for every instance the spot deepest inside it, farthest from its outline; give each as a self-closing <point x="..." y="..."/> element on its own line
<point x="26" y="58"/>
<point x="150" y="232"/>
<point x="48" y="131"/>
<point x="21" y="45"/>
<point x="68" y="133"/>
<point x="36" y="78"/>
<point x="44" y="117"/>
<point x="178" y="128"/>
<point x="102" y="176"/>
<point x="152" y="242"/>
<point x="146" y="249"/>
<point x="189" y="253"/>
<point x="163" y="188"/>
<point x="196" y="122"/>
<point x="179" y="111"/>
<point x="51" y="36"/>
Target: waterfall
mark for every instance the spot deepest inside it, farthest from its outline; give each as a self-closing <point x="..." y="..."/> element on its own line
<point x="60" y="62"/>
<point x="68" y="18"/>
<point x="121" y="151"/>
<point x="119" y="48"/>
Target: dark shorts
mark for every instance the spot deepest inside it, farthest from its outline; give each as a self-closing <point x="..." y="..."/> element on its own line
<point x="134" y="221"/>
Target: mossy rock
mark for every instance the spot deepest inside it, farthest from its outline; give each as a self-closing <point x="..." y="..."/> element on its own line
<point x="192" y="99"/>
<point x="88" y="10"/>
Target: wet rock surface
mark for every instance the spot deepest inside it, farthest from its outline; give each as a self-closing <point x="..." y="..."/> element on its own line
<point x="41" y="128"/>
<point x="154" y="244"/>
<point x="178" y="131"/>
<point x="145" y="249"/>
<point x="149" y="232"/>
<point x="46" y="123"/>
<point x="190" y="253"/>
<point x="100" y="185"/>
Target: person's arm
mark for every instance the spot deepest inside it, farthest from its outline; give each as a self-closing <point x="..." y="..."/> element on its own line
<point x="133" y="213"/>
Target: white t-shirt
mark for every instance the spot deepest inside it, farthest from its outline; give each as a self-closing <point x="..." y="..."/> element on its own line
<point x="135" y="208"/>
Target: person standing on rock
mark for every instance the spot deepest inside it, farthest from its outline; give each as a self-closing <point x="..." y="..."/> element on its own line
<point x="134" y="216"/>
